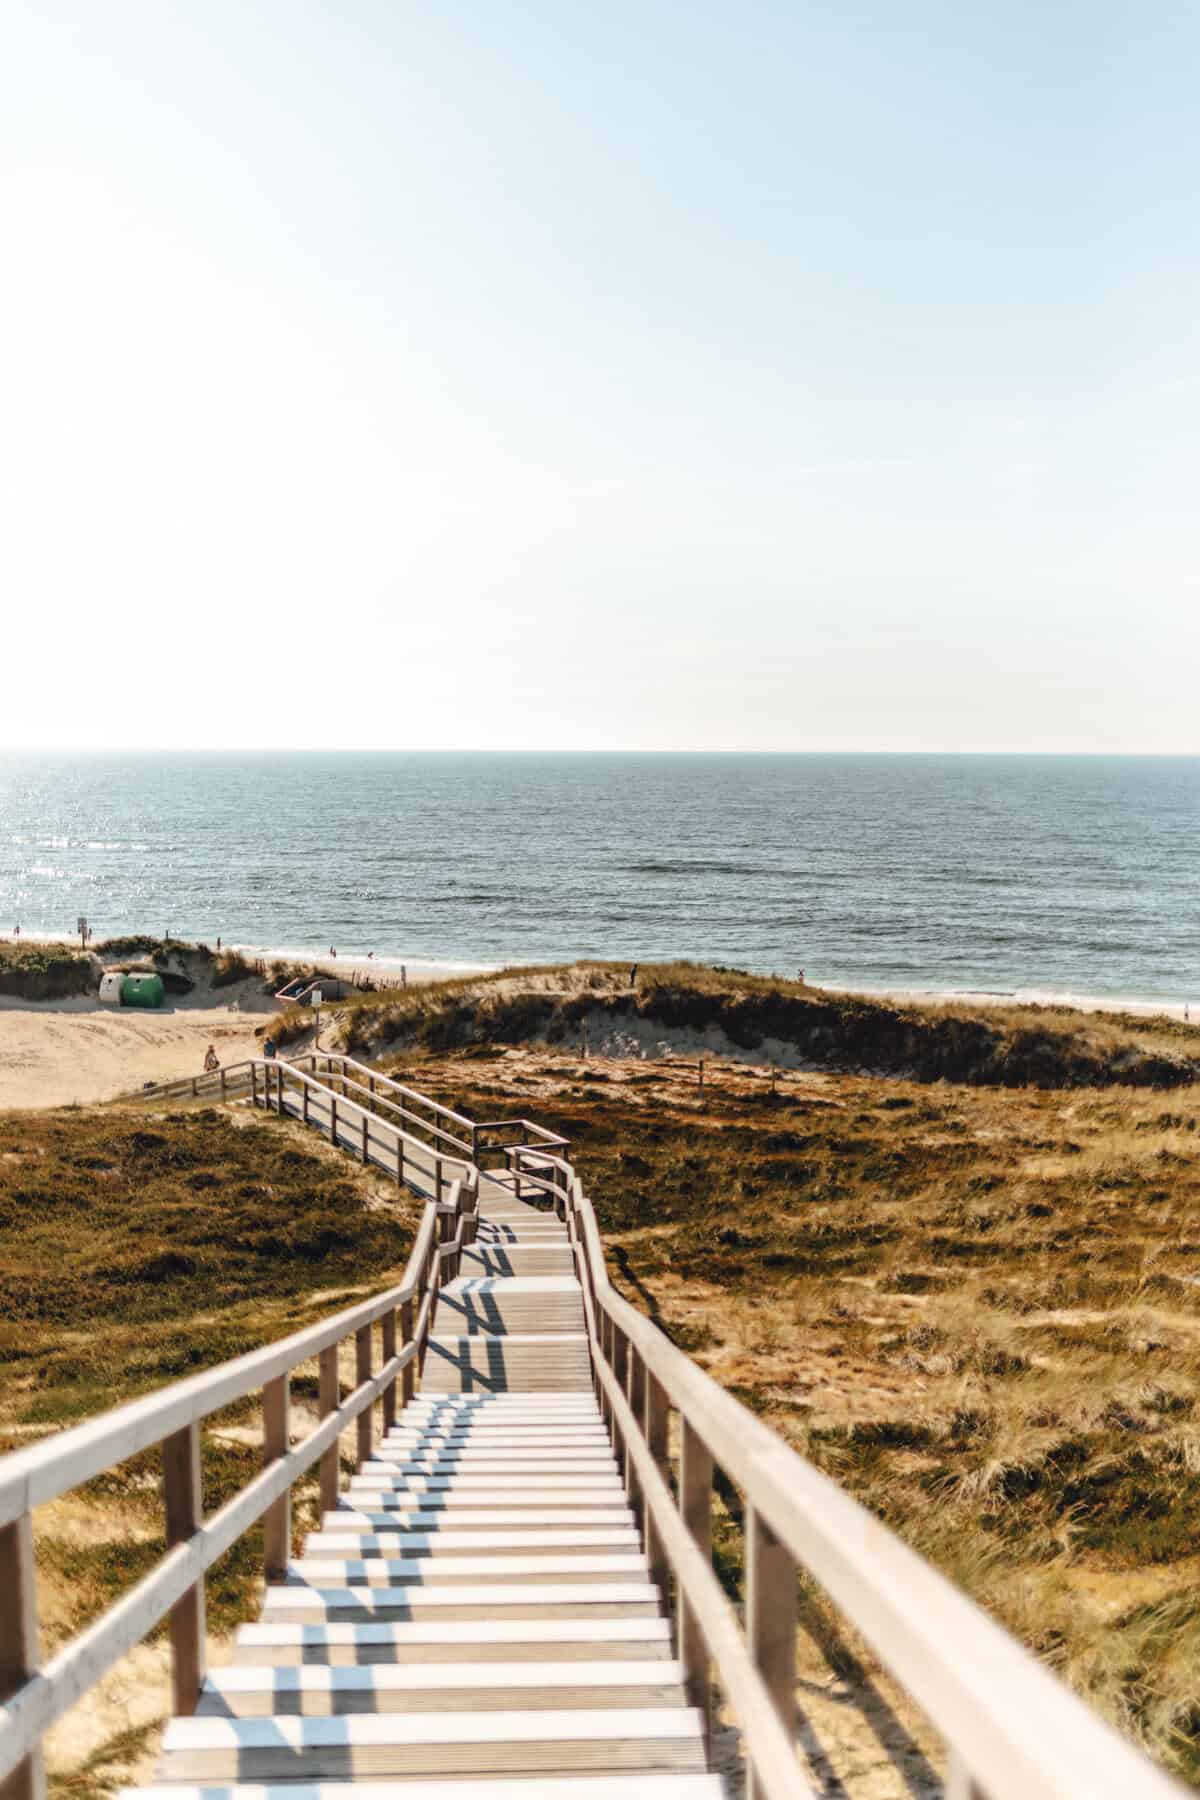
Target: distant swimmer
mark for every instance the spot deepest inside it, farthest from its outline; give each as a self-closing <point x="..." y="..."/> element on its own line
<point x="211" y="1061"/>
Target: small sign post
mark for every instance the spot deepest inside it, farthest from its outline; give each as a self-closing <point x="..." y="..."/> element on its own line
<point x="316" y="1005"/>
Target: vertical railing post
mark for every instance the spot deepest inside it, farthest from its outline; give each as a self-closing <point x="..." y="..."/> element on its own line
<point x="185" y="1515"/>
<point x="388" y="1350"/>
<point x="328" y="1396"/>
<point x="695" y="1506"/>
<point x="362" y="1372"/>
<point x="333" y="1136"/>
<point x="254" y="1084"/>
<point x="437" y="1174"/>
<point x="657" y="1426"/>
<point x="304" y="1103"/>
<point x="222" y="1081"/>
<point x="19" y="1643"/>
<point x="366" y="1152"/>
<point x="959" y="1782"/>
<point x="408" y="1378"/>
<point x="771" y="1614"/>
<point x="277" y="1520"/>
<point x="620" y="1368"/>
<point x="636" y="1395"/>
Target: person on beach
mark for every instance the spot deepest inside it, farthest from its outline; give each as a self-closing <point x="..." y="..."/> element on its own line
<point x="269" y="1050"/>
<point x="211" y="1060"/>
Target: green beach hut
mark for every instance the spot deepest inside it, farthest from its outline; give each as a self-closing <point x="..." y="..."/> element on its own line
<point x="138" y="989"/>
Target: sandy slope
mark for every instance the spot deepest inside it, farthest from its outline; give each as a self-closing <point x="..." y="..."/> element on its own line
<point x="53" y="1054"/>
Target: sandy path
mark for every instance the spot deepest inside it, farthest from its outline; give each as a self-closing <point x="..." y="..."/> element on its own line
<point x="52" y="1055"/>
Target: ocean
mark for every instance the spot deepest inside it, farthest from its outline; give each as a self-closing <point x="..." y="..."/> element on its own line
<point x="1037" y="876"/>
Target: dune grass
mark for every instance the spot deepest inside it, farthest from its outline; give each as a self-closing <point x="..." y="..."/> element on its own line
<point x="977" y="1308"/>
<point x="136" y="1248"/>
<point x="993" y="1046"/>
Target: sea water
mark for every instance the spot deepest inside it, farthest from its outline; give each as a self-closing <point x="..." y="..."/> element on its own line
<point x="1001" y="874"/>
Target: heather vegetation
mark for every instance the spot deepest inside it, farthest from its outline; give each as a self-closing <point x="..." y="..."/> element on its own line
<point x="977" y="1307"/>
<point x="137" y="1248"/>
<point x="764" y="1019"/>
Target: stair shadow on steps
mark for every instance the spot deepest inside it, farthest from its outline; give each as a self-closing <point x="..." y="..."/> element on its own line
<point x="474" y="1313"/>
<point x="464" y="1362"/>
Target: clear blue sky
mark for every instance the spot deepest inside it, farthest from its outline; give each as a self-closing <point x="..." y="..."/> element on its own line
<point x="639" y="375"/>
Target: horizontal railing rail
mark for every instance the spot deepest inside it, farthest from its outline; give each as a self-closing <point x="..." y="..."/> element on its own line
<point x="285" y="1088"/>
<point x="1012" y="1731"/>
<point x="418" y="1112"/>
<point x="34" y="1696"/>
<point x="493" y="1136"/>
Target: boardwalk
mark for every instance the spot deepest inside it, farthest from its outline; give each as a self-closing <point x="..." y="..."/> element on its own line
<point x="514" y="1598"/>
<point x="479" y="1603"/>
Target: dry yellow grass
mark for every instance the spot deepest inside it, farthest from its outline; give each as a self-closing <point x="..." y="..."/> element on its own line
<point x="978" y="1308"/>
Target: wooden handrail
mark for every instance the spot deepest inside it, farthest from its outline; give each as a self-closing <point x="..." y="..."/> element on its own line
<point x="1013" y="1731"/>
<point x="398" y="1087"/>
<point x="34" y="1698"/>
<point x="373" y="1082"/>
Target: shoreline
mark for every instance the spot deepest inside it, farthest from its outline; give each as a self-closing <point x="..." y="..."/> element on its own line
<point x="1050" y="999"/>
<point x="420" y="969"/>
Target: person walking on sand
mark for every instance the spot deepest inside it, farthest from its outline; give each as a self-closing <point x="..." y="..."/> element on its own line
<point x="211" y="1061"/>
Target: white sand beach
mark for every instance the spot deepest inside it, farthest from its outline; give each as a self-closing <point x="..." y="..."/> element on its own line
<point x="62" y="1052"/>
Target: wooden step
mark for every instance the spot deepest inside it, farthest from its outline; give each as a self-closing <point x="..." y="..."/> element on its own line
<point x="436" y="1640"/>
<point x="643" y="1786"/>
<point x="379" y="1478"/>
<point x="463" y="1369"/>
<point x="260" y="1691"/>
<point x="517" y="1438"/>
<point x="503" y="1406"/>
<point x="523" y="1522"/>
<point x="511" y="1259"/>
<point x="559" y="1326"/>
<point x="451" y="1600"/>
<point x="466" y="1570"/>
<point x="493" y="1443"/>
<point x="406" y="1744"/>
<point x="491" y="1462"/>
<point x="402" y="1544"/>
<point x="373" y="1497"/>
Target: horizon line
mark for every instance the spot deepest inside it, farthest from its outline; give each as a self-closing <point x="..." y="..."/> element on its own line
<point x="547" y="750"/>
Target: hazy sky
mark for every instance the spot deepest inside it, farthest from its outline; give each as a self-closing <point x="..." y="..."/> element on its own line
<point x="643" y="374"/>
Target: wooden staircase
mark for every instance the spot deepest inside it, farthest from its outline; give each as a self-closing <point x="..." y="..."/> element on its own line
<point x="475" y="1618"/>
